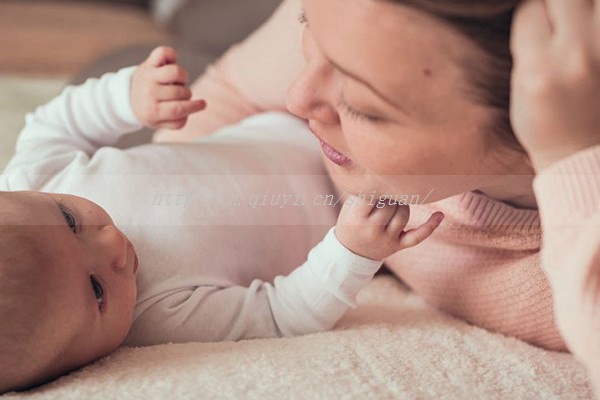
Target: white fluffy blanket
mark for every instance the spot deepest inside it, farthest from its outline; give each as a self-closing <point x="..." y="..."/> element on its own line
<point x="392" y="346"/>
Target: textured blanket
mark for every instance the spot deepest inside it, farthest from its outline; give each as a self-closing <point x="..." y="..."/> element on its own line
<point x="393" y="346"/>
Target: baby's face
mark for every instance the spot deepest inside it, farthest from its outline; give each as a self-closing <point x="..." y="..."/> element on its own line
<point x="88" y="281"/>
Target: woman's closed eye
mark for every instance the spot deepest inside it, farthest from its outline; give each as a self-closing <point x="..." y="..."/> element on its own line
<point x="98" y="292"/>
<point x="355" y="114"/>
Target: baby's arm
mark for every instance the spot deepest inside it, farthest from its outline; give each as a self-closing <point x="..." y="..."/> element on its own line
<point x="310" y="299"/>
<point x="82" y="119"/>
<point x="252" y="77"/>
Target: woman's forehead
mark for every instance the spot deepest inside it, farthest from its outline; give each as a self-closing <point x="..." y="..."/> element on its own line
<point x="393" y="47"/>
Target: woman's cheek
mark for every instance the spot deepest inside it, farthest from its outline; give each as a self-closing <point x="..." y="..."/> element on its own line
<point x="379" y="155"/>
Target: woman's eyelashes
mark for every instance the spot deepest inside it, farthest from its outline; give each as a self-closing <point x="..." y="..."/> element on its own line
<point x="355" y="114"/>
<point x="98" y="292"/>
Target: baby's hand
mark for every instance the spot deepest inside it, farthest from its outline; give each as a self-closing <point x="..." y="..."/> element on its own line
<point x="377" y="233"/>
<point x="160" y="96"/>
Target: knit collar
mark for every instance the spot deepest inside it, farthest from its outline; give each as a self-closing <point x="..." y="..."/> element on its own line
<point x="473" y="208"/>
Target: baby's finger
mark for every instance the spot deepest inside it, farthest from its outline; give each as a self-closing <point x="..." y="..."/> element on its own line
<point x="175" y="110"/>
<point x="415" y="236"/>
<point x="172" y="125"/>
<point x="382" y="215"/>
<point x="399" y="220"/>
<point x="173" y="92"/>
<point x="171" y="74"/>
<point x="162" y="55"/>
<point x="357" y="206"/>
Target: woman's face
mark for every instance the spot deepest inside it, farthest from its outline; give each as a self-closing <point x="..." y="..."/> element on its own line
<point x="385" y="88"/>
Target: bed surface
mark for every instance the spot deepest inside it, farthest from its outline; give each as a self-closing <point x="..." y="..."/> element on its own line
<point x="391" y="346"/>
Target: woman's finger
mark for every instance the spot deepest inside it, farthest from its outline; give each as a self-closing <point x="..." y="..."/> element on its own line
<point x="569" y="17"/>
<point x="531" y="30"/>
<point x="415" y="236"/>
<point x="173" y="92"/>
<point x="175" y="110"/>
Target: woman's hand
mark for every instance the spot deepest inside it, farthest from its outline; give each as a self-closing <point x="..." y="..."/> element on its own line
<point x="160" y="96"/>
<point x="376" y="231"/>
<point x="556" y="78"/>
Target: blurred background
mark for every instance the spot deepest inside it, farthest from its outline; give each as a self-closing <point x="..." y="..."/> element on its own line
<point x="47" y="44"/>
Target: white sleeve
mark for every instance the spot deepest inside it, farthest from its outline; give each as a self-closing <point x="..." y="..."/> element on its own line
<point x="71" y="127"/>
<point x="310" y="299"/>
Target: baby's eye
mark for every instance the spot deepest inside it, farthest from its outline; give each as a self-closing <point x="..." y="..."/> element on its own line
<point x="70" y="220"/>
<point x="98" y="291"/>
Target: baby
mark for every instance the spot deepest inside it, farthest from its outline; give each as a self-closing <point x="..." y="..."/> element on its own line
<point x="197" y="222"/>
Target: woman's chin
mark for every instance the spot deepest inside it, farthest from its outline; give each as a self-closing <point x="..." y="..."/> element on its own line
<point x="405" y="191"/>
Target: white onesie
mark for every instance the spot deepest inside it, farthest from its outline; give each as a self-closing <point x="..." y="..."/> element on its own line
<point x="220" y="226"/>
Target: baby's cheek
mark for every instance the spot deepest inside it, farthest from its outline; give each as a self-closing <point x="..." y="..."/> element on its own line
<point x="132" y="296"/>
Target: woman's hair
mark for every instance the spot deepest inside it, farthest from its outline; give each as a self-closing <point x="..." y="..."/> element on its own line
<point x="487" y="23"/>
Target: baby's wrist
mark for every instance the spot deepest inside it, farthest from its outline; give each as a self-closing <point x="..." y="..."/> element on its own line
<point x="353" y="246"/>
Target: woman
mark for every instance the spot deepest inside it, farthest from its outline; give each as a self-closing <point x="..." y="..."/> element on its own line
<point x="412" y="97"/>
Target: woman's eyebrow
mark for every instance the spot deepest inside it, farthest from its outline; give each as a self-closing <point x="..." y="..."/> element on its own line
<point x="365" y="83"/>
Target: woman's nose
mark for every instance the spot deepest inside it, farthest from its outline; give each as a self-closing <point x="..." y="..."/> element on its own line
<point x="113" y="247"/>
<point x="309" y="96"/>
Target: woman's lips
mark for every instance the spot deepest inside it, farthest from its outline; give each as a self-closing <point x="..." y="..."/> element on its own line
<point x="334" y="155"/>
<point x="330" y="152"/>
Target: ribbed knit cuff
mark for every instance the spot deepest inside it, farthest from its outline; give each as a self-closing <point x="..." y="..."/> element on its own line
<point x="569" y="191"/>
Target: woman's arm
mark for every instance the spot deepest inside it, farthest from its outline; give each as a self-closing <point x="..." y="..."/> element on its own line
<point x="555" y="97"/>
<point x="251" y="77"/>
<point x="568" y="195"/>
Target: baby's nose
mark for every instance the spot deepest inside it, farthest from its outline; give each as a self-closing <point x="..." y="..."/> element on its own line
<point x="114" y="247"/>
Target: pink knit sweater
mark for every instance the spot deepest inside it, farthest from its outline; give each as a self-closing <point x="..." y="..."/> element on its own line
<point x="484" y="263"/>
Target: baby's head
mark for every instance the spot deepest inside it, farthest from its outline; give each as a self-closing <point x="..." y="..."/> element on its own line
<point x="67" y="286"/>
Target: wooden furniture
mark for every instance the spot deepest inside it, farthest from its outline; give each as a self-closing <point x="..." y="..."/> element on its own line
<point x="53" y="37"/>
